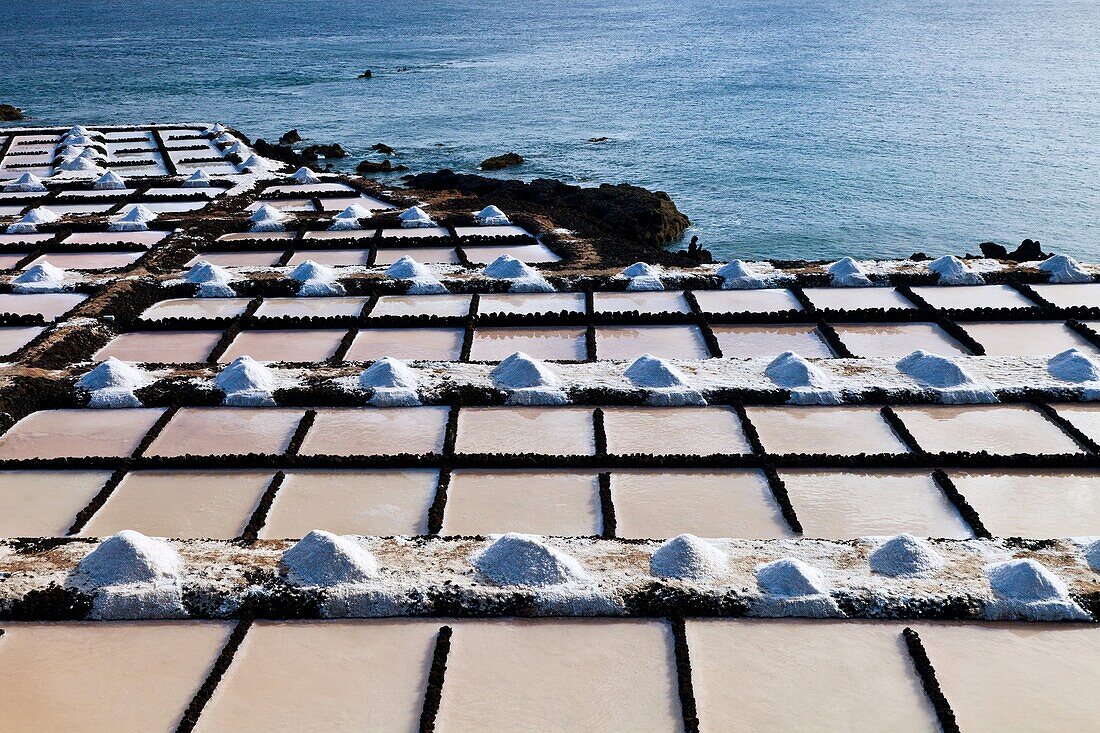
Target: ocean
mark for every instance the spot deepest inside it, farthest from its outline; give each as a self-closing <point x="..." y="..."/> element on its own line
<point x="782" y="128"/>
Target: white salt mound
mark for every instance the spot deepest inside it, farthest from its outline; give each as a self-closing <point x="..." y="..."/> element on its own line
<point x="414" y="217"/>
<point x="388" y="373"/>
<point x="79" y="165"/>
<point x="491" y="216"/>
<point x="645" y="283"/>
<point x="305" y="176"/>
<point x="225" y="139"/>
<point x="213" y="281"/>
<point x="43" y="272"/>
<point x="689" y="558"/>
<point x="1073" y="366"/>
<point x="1065" y="269"/>
<point x="791" y="371"/>
<point x="215" y="129"/>
<point x="790" y="577"/>
<point x="653" y="372"/>
<point x="523" y="277"/>
<point x="520" y="559"/>
<point x="245" y="374"/>
<point x="847" y="272"/>
<point x="28" y="182"/>
<point x="905" y="555"/>
<point x="237" y="149"/>
<point x="736" y="275"/>
<point x="953" y="271"/>
<point x="112" y="374"/>
<point x="109" y="181"/>
<point x="310" y="270"/>
<point x="255" y="163"/>
<point x="30" y="221"/>
<point x="267" y="211"/>
<point x="1025" y="580"/>
<point x="1092" y="555"/>
<point x="641" y="269"/>
<point x="520" y="370"/>
<point x="423" y="282"/>
<point x="131" y="557"/>
<point x="322" y="558"/>
<point x="199" y="179"/>
<point x="355" y="211"/>
<point x="136" y="219"/>
<point x="933" y="370"/>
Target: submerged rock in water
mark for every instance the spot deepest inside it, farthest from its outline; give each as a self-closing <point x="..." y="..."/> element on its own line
<point x="507" y="160"/>
<point x="290" y="137"/>
<point x="11" y="113"/>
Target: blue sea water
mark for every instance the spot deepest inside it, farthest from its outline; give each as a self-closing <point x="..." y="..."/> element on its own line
<point x="783" y="128"/>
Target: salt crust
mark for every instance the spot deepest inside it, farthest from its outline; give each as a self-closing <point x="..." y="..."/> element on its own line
<point x="268" y="218"/>
<point x="213" y="281"/>
<point x="109" y="181"/>
<point x="952" y="271"/>
<point x="415" y="217"/>
<point x="905" y="555"/>
<point x="256" y="164"/>
<point x="665" y="385"/>
<point x="791" y="587"/>
<point x="528" y="381"/>
<point x="491" y="216"/>
<point x="130" y="557"/>
<point x="523" y="278"/>
<point x="392" y="383"/>
<point x="521" y="559"/>
<point x="28" y="182"/>
<point x="419" y="276"/>
<point x="736" y="275"/>
<point x="1073" y="366"/>
<point x="325" y="559"/>
<point x="1025" y="589"/>
<point x="305" y="176"/>
<point x="847" y="273"/>
<point x="246" y="383"/>
<point x="1064" y="269"/>
<point x="689" y="558"/>
<point x="808" y="384"/>
<point x="40" y="278"/>
<point x="29" y="222"/>
<point x="199" y="179"/>
<point x="349" y="218"/>
<point x="954" y="384"/>
<point x="643" y="277"/>
<point x="135" y="220"/>
<point x="316" y="280"/>
<point x="112" y="383"/>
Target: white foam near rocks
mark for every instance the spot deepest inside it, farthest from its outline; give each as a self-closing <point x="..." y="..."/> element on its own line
<point x="808" y="384"/>
<point x="528" y="381"/>
<point x="847" y="273"/>
<point x="1063" y="269"/>
<point x="325" y="559"/>
<point x="305" y="176"/>
<point x="527" y="560"/>
<point x="491" y="216"/>
<point x="1025" y="589"/>
<point x="199" y="179"/>
<point x="246" y="383"/>
<point x="30" y="221"/>
<point x="665" y="385"/>
<point x="40" y="278"/>
<point x="953" y="271"/>
<point x="316" y="280"/>
<point x="136" y="219"/>
<point x="28" y="183"/>
<point x="391" y="382"/>
<point x="643" y="277"/>
<point x="268" y="218"/>
<point x="736" y="275"/>
<point x="522" y="277"/>
<point x="905" y="555"/>
<point x="1075" y="366"/>
<point x="349" y="218"/>
<point x="109" y="181"/>
<point x="213" y="281"/>
<point x="112" y="384"/>
<point x="953" y="383"/>
<point x="791" y="587"/>
<point x="421" y="279"/>
<point x="688" y="557"/>
<point x="415" y="217"/>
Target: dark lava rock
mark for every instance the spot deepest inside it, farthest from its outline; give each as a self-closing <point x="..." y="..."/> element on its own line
<point x="282" y="153"/>
<point x="366" y="74"/>
<point x="313" y="152"/>
<point x="919" y="257"/>
<point x="383" y="149"/>
<point x="1029" y="249"/>
<point x="501" y="161"/>
<point x="994" y="251"/>
<point x="627" y="223"/>
<point x="598" y="139"/>
<point x="369" y="166"/>
<point x="290" y="137"/>
<point x="8" y="113"/>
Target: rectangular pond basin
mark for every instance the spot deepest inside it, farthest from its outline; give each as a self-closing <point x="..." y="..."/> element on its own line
<point x="517" y="430"/>
<point x="805" y="675"/>
<point x="1017" y="677"/>
<point x="697" y="431"/>
<point x="716" y="503"/>
<point x="367" y="202"/>
<point x="331" y="257"/>
<point x="309" y="345"/>
<point x="374" y="431"/>
<point x="845" y="431"/>
<point x="895" y="340"/>
<point x="145" y="239"/>
<point x="849" y="299"/>
<point x="176" y="347"/>
<point x="843" y="504"/>
<point x="543" y="502"/>
<point x="443" y="344"/>
<point x="416" y="233"/>
<point x="221" y="431"/>
<point x="45" y="503"/>
<point x="257" y="237"/>
<point x="310" y="307"/>
<point x="340" y="234"/>
<point x="359" y="502"/>
<point x="1033" y="504"/>
<point x="300" y="205"/>
<point x="78" y="433"/>
<point x="764" y="300"/>
<point x="743" y="342"/>
<point x="526" y="303"/>
<point x="308" y="188"/>
<point x="973" y="296"/>
<point x="1070" y="294"/>
<point x="181" y="504"/>
<point x="196" y="308"/>
<point x="641" y="301"/>
<point x="1027" y="338"/>
<point x="545" y="342"/>
<point x="565" y="675"/>
<point x="506" y="230"/>
<point x="104" y="677"/>
<point x="422" y="305"/>
<point x="295" y="676"/>
<point x="665" y="342"/>
<point x="998" y="429"/>
<point x="92" y="261"/>
<point x="13" y="338"/>
<point x="1084" y="417"/>
<point x="9" y="261"/>
<point x="530" y="253"/>
<point x="423" y="255"/>
<point x="258" y="258"/>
